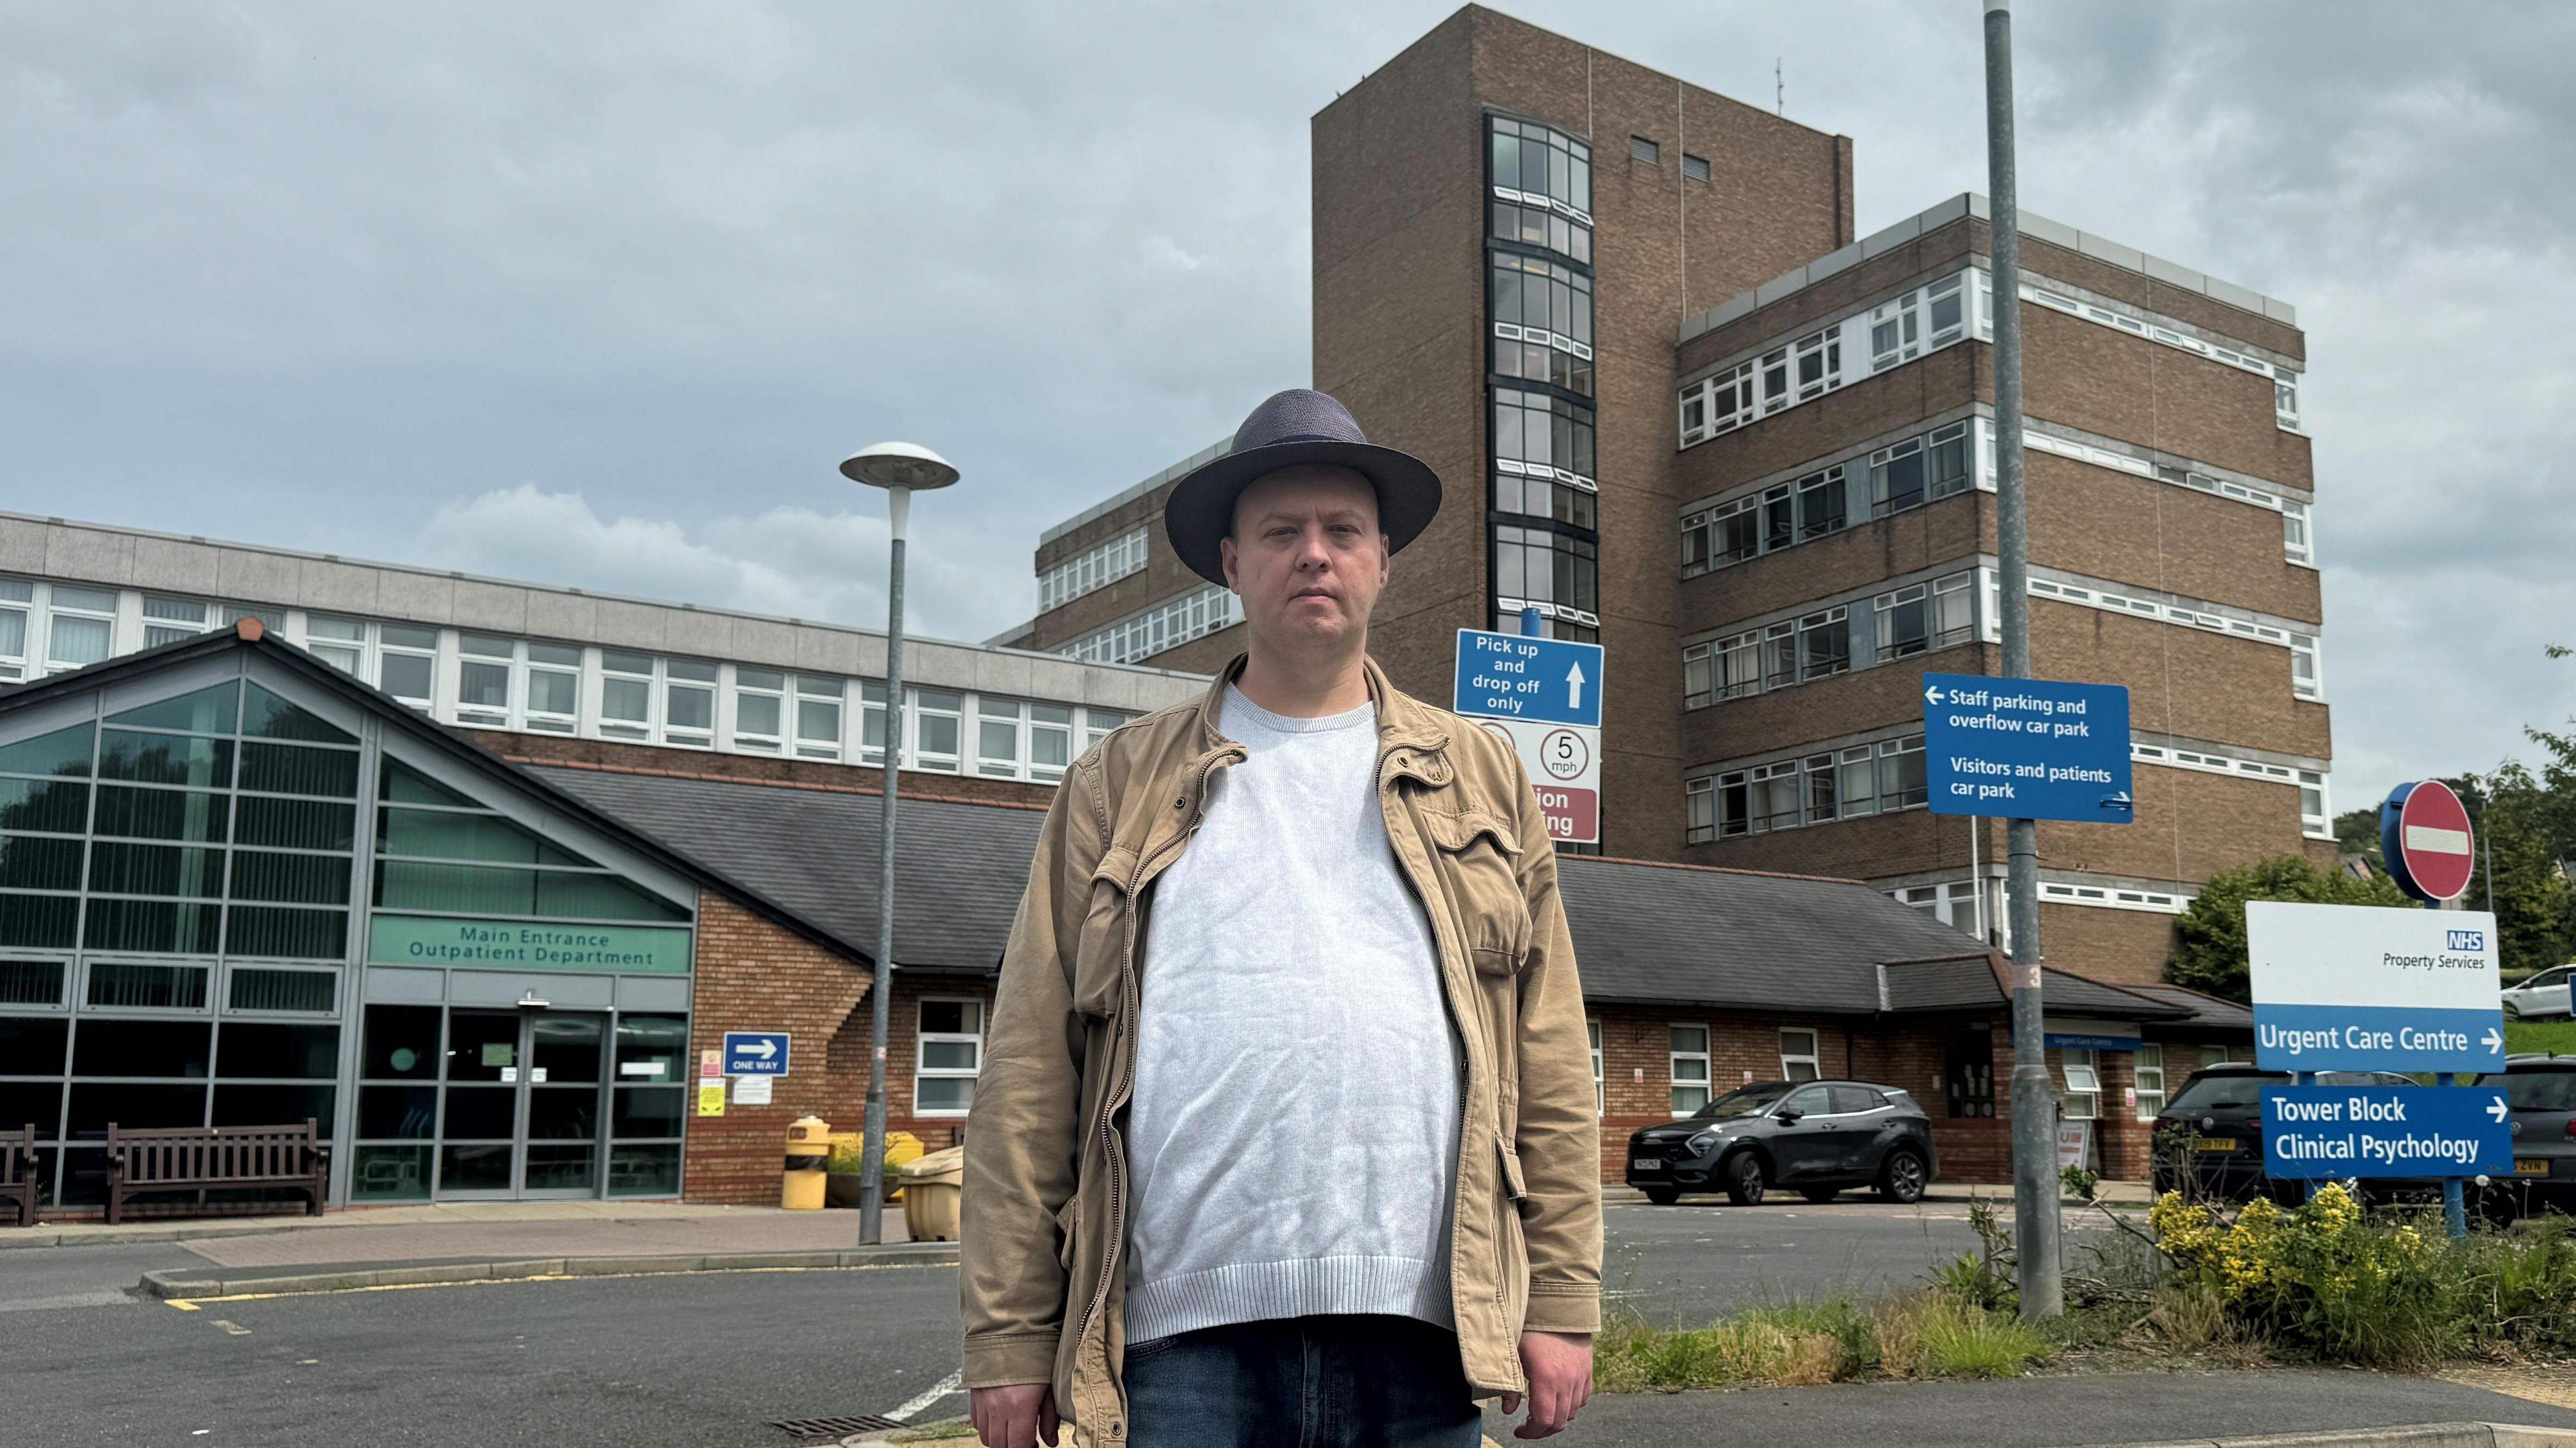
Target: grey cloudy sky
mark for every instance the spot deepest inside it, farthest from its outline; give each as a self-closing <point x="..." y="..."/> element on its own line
<point x="597" y="293"/>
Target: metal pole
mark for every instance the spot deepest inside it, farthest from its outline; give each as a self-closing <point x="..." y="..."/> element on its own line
<point x="872" y="1165"/>
<point x="2034" y="1100"/>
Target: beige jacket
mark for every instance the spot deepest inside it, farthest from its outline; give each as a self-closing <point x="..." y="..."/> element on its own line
<point x="1045" y="1189"/>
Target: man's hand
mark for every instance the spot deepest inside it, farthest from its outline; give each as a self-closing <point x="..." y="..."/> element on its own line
<point x="1023" y="1414"/>
<point x="1559" y="1365"/>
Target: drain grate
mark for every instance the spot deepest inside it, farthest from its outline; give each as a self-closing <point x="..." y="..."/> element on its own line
<point x="832" y="1430"/>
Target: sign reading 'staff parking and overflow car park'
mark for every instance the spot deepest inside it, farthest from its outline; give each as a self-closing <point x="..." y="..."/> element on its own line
<point x="2036" y="749"/>
<point x="1543" y="696"/>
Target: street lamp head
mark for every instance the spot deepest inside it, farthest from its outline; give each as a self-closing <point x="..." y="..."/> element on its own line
<point x="898" y="465"/>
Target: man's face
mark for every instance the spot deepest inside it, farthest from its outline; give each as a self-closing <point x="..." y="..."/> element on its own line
<point x="1306" y="555"/>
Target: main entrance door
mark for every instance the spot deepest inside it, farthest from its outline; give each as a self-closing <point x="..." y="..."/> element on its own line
<point x="522" y="1110"/>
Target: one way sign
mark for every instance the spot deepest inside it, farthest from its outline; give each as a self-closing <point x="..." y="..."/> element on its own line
<point x="755" y="1053"/>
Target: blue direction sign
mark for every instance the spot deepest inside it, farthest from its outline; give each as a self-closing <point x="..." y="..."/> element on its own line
<point x="2372" y="988"/>
<point x="2386" y="1131"/>
<point x="1511" y="676"/>
<point x="2034" y="749"/>
<point x="755" y="1053"/>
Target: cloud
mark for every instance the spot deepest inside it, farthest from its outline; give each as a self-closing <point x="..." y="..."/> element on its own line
<point x="627" y="280"/>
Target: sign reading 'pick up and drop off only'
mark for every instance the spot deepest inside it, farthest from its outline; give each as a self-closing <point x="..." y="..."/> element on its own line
<point x="1543" y="697"/>
<point x="2035" y="749"/>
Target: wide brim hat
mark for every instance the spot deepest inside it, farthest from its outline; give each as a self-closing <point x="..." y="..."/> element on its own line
<point x="1290" y="429"/>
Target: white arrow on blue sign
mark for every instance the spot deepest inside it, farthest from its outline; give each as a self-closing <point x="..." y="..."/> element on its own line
<point x="2344" y="1132"/>
<point x="1513" y="676"/>
<point x="755" y="1053"/>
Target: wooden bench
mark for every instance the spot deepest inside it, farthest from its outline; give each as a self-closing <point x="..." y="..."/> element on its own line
<point x="216" y="1156"/>
<point x="19" y="1176"/>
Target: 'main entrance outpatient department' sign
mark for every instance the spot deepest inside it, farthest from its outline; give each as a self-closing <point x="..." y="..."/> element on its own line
<point x="445" y="940"/>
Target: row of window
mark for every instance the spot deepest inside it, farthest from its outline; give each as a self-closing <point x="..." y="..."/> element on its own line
<point x="122" y="985"/>
<point x="1689" y="1069"/>
<point x="1097" y="566"/>
<point x="1541" y="495"/>
<point x="2285" y="383"/>
<point x="1539" y="165"/>
<point x="2295" y="544"/>
<point x="2307" y="680"/>
<point x="1542" y="318"/>
<point x="1840" y="784"/>
<point x="1902" y="622"/>
<point x="1923" y="320"/>
<point x="2314" y="819"/>
<point x="1166" y="625"/>
<point x="1537" y="433"/>
<point x="46" y="628"/>
<point x="1539" y="225"/>
<point x="1537" y="566"/>
<point x="1907" y="474"/>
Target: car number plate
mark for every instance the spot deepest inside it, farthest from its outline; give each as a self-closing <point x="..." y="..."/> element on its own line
<point x="1645" y="1163"/>
<point x="2530" y="1166"/>
<point x="2213" y="1143"/>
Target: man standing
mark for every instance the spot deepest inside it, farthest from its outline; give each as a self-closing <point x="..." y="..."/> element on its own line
<point x="1286" y="1129"/>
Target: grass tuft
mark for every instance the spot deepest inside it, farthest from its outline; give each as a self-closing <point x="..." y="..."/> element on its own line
<point x="1934" y="1335"/>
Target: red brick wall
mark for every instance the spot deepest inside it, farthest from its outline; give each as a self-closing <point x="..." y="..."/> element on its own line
<point x="756" y="975"/>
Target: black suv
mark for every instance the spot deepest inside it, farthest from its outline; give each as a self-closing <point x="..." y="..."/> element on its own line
<point x="2213" y="1127"/>
<point x="1818" y="1137"/>
<point x="2541" y="1093"/>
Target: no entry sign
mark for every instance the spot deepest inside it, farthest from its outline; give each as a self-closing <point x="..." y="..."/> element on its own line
<point x="2424" y="837"/>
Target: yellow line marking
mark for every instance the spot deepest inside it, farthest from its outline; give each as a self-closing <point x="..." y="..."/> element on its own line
<point x="190" y="1304"/>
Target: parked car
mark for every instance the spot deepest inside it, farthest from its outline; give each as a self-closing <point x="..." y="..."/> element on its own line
<point x="2211" y="1131"/>
<point x="1818" y="1138"/>
<point x="2541" y="1093"/>
<point x="2544" y="995"/>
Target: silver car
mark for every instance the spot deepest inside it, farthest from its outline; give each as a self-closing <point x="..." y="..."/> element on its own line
<point x="2545" y="994"/>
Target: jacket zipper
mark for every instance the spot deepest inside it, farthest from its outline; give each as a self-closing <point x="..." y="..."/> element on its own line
<point x="1109" y="1101"/>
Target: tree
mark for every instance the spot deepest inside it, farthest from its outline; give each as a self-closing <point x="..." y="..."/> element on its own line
<point x="2209" y="939"/>
<point x="2357" y="833"/>
<point x="2530" y="890"/>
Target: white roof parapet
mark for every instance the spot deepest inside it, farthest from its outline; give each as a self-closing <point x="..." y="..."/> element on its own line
<point x="2032" y="224"/>
<point x="1129" y="495"/>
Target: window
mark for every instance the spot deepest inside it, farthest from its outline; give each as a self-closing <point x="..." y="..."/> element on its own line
<point x="625" y="695"/>
<point x="1946" y="305"/>
<point x="1533" y="565"/>
<point x="1814" y="789"/>
<point x="554" y="688"/>
<point x="1600" y="1097"/>
<point x="1819" y="362"/>
<point x="1926" y="616"/>
<point x="937" y="720"/>
<point x="339" y="642"/>
<point x="17" y="600"/>
<point x="1542" y="301"/>
<point x="948" y="1052"/>
<point x="1095" y="567"/>
<point x="689" y="703"/>
<point x="1821" y="498"/>
<point x="1896" y="331"/>
<point x="1716" y="404"/>
<point x="1821" y="789"/>
<point x="1688" y="1064"/>
<point x="2285" y="399"/>
<point x="1824" y="644"/>
<point x="438" y="851"/>
<point x="82" y="624"/>
<point x="2294" y="533"/>
<point x="997" y="737"/>
<point x="1539" y="226"/>
<point x="1542" y="433"/>
<point x="1050" y="741"/>
<point x="407" y="663"/>
<point x="1798" y="1058"/>
<point x="759" y="706"/>
<point x="1641" y="149"/>
<point x="2315" y="820"/>
<point x="2305" y="679"/>
<point x="1968" y="1074"/>
<point x="1919" y="470"/>
<point x="1165" y="626"/>
<point x="1533" y="163"/>
<point x="1900" y="773"/>
<point x="1775" y="795"/>
<point x="1694" y="168"/>
<point x="483" y="679"/>
<point x="1547" y="497"/>
<point x="2150" y="1069"/>
<point x="1097" y="724"/>
<point x="2083" y="1096"/>
<point x="1699" y="807"/>
<point x="168" y="620"/>
<point x="818" y="718"/>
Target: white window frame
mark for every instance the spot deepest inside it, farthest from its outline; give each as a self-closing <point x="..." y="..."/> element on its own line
<point x="1012" y="716"/>
<point x="1096" y="567"/>
<point x="2081" y="1081"/>
<point x="675" y="677"/>
<point x="80" y="610"/>
<point x="504" y="657"/>
<point x="1812" y="1057"/>
<point x="18" y="600"/>
<point x="1675" y="1058"/>
<point x="388" y="648"/>
<point x="918" y="717"/>
<point x="624" y="727"/>
<point x="922" y="1036"/>
<point x="2150" y="1067"/>
<point x="821" y="691"/>
<point x="769" y="686"/>
<point x="550" y="661"/>
<point x="1600" y="1092"/>
<point x="345" y="651"/>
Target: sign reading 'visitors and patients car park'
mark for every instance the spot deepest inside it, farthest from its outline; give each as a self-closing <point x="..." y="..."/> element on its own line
<point x="1543" y="696"/>
<point x="2038" y="749"/>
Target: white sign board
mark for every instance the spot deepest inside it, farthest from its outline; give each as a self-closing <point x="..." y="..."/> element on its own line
<point x="1564" y="766"/>
<point x="2074" y="1143"/>
<point x="752" y="1090"/>
<point x="2373" y="988"/>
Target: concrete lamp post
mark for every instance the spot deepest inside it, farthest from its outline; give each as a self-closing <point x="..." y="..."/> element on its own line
<point x="901" y="468"/>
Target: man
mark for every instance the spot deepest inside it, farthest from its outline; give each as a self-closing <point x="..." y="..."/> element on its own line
<point x="1286" y="1131"/>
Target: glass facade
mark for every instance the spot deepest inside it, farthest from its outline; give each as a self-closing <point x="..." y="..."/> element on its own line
<point x="186" y="904"/>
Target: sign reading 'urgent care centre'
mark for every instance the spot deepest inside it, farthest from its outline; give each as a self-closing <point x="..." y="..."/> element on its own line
<point x="520" y="944"/>
<point x="2368" y="988"/>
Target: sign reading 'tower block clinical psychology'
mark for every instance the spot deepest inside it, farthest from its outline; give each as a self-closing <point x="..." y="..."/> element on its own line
<point x="2385" y="1131"/>
<point x="2369" y="988"/>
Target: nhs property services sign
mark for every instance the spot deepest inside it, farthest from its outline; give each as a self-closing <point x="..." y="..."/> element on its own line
<point x="2371" y="988"/>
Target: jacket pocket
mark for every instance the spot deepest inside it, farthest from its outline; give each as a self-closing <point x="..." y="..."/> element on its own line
<point x="1480" y="868"/>
<point x="1100" y="953"/>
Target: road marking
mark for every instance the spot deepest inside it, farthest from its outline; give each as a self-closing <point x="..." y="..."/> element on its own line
<point x="190" y="1304"/>
<point x="235" y="1328"/>
<point x="182" y="1306"/>
<point x="938" y="1390"/>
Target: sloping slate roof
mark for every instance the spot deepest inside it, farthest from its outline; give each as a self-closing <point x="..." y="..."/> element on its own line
<point x="1676" y="935"/>
<point x="2073" y="995"/>
<point x="2206" y="1010"/>
<point x="959" y="869"/>
<point x="1934" y="985"/>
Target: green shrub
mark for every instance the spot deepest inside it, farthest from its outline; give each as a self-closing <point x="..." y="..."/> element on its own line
<point x="1934" y="1335"/>
<point x="2078" y="1183"/>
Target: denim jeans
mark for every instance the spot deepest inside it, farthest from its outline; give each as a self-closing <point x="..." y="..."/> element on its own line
<point x="1302" y="1382"/>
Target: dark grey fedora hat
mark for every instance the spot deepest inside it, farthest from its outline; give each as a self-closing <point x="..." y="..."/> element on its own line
<point x="1294" y="427"/>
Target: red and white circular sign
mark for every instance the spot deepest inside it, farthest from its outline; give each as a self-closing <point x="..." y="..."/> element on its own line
<point x="2433" y="836"/>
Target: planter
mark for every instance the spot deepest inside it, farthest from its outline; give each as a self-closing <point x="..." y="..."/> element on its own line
<point x="841" y="1189"/>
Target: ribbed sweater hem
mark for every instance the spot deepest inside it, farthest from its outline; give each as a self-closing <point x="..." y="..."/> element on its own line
<point x="1308" y="1287"/>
